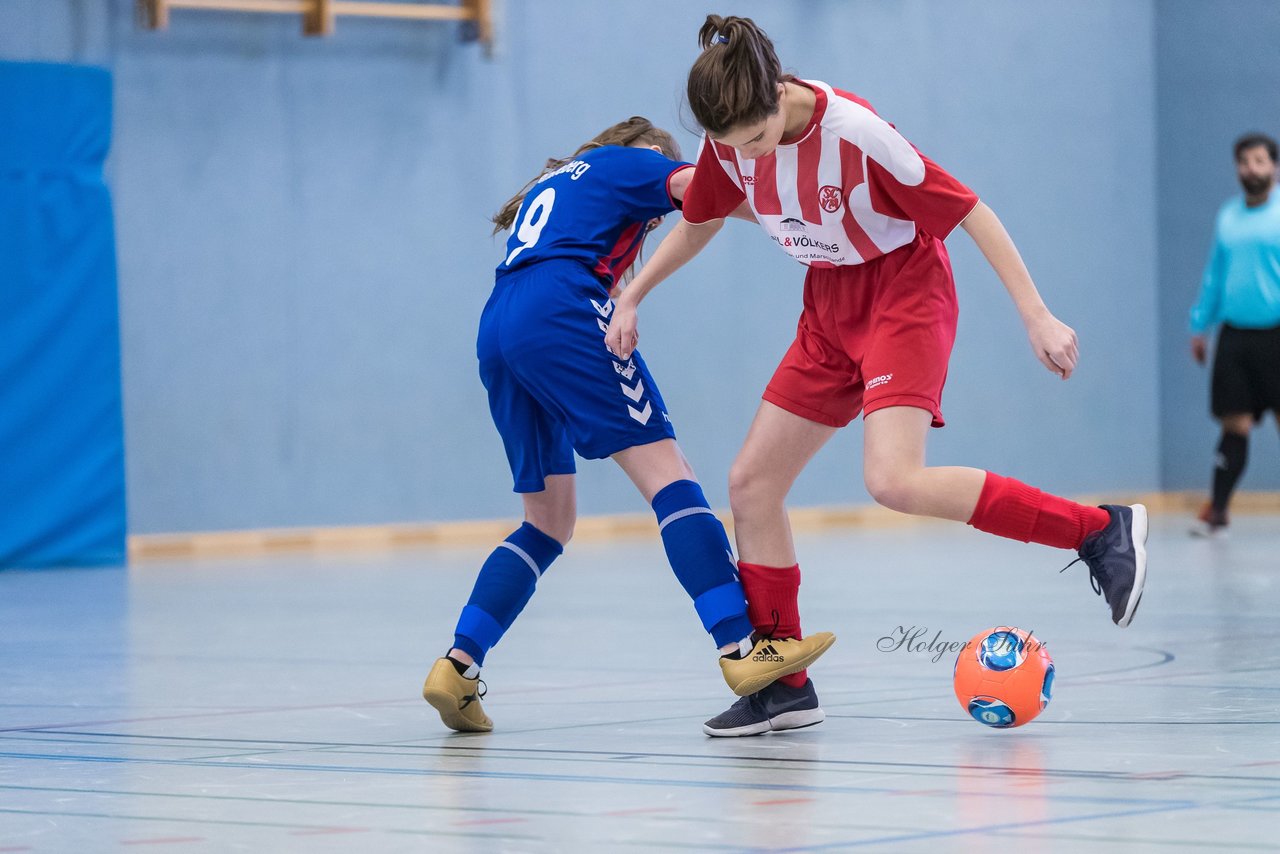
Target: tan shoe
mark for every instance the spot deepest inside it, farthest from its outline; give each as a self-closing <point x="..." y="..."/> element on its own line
<point x="456" y="698"/>
<point x="771" y="659"/>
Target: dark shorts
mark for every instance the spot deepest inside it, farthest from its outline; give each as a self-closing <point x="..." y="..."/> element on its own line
<point x="1246" y="372"/>
<point x="553" y="387"/>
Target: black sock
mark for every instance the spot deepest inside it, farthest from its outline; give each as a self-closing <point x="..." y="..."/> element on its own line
<point x="739" y="653"/>
<point x="1233" y="453"/>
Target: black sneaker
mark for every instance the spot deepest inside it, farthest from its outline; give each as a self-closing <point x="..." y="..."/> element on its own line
<point x="774" y="707"/>
<point x="1117" y="560"/>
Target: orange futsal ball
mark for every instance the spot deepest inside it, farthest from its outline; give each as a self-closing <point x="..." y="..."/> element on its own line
<point x="1004" y="677"/>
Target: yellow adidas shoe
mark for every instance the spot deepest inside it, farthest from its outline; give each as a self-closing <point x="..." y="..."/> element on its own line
<point x="456" y="698"/>
<point x="772" y="658"/>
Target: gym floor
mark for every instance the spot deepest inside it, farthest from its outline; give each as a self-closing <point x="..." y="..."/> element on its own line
<point x="273" y="705"/>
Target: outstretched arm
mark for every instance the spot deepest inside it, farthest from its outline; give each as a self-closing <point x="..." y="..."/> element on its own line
<point x="1053" y="342"/>
<point x="1209" y="304"/>
<point x="685" y="241"/>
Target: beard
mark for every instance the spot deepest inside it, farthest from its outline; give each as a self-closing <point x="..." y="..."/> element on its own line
<point x="1255" y="185"/>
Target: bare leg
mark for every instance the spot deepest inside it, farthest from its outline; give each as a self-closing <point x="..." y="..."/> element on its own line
<point x="1240" y="423"/>
<point x="655" y="466"/>
<point x="777" y="448"/>
<point x="554" y="510"/>
<point x="894" y="469"/>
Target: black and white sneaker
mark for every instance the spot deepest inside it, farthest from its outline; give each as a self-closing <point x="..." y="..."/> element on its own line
<point x="774" y="707"/>
<point x="1117" y="560"/>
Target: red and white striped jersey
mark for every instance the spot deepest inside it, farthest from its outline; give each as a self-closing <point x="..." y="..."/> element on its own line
<point x="847" y="189"/>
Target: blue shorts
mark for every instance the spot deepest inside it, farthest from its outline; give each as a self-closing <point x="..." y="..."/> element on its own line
<point x="553" y="387"/>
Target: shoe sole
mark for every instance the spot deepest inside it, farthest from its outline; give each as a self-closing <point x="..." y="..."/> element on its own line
<point x="447" y="705"/>
<point x="752" y="684"/>
<point x="1139" y="534"/>
<point x="785" y="721"/>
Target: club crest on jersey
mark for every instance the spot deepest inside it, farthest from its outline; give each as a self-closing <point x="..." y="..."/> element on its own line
<point x="829" y="198"/>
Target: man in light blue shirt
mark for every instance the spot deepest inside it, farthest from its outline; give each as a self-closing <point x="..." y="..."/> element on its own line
<point x="1241" y="291"/>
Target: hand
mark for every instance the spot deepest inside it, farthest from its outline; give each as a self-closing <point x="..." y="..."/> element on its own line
<point x="622" y="336"/>
<point x="1054" y="344"/>
<point x="1199" y="348"/>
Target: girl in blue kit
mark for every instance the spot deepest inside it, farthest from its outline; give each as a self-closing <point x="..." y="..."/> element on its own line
<point x="554" y="389"/>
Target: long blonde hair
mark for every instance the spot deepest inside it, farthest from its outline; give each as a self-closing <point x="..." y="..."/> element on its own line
<point x="635" y="130"/>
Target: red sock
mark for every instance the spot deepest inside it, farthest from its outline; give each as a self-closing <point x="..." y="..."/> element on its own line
<point x="772" y="607"/>
<point x="1010" y="508"/>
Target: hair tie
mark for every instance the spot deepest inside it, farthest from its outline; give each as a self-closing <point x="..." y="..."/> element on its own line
<point x="720" y="38"/>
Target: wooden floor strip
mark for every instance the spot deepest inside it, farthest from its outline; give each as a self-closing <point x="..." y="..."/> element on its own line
<point x="184" y="546"/>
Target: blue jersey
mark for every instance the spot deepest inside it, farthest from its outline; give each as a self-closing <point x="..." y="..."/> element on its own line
<point x="593" y="210"/>
<point x="1241" y="284"/>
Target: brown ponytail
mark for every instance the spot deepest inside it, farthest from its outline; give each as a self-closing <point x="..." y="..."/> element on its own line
<point x="636" y="130"/>
<point x="735" y="79"/>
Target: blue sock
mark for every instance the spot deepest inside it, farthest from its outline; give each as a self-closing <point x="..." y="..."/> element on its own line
<point x="699" y="552"/>
<point x="505" y="584"/>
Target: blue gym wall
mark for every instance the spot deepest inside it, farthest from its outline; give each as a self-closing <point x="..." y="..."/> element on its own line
<point x="303" y="246"/>
<point x="1217" y="66"/>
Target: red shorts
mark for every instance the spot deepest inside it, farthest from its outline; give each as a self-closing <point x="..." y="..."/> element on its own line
<point x="871" y="335"/>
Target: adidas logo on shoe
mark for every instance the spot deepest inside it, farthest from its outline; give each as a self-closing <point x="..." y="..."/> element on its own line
<point x="768" y="654"/>
<point x="748" y="670"/>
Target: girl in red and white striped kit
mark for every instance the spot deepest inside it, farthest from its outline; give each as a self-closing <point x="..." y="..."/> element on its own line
<point x="840" y="190"/>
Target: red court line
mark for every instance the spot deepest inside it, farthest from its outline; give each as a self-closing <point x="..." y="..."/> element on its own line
<point x="159" y="840"/>
<point x="488" y="821"/>
<point x="782" y="801"/>
<point x="640" y="810"/>
<point x="17" y="848"/>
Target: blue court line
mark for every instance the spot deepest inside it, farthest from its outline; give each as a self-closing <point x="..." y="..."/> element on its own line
<point x="865" y="764"/>
<point x="1229" y="671"/>
<point x="1275" y="808"/>
<point x="1085" y="838"/>
<point x="444" y="736"/>
<point x="1248" y="804"/>
<point x="433" y="832"/>
<point x="1043" y="722"/>
<point x="425" y="808"/>
<point x="424" y="772"/>
<point x="218" y="712"/>
<point x="676" y="818"/>
<point x="272" y="824"/>
<point x="748" y="764"/>
<point x="1164" y="658"/>
<point x="990" y="828"/>
<point x="552" y="778"/>
<point x="299" y="801"/>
